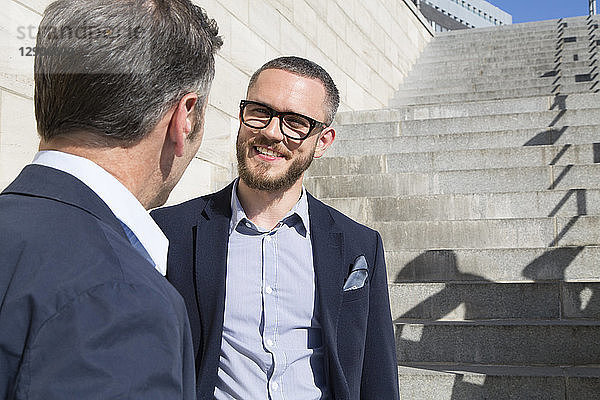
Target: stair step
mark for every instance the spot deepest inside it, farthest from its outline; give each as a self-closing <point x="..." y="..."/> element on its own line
<point x="472" y="69"/>
<point x="482" y="75"/>
<point x="506" y="342"/>
<point x="529" y="57"/>
<point x="543" y="49"/>
<point x="563" y="83"/>
<point x="479" y="300"/>
<point x="514" y="31"/>
<point x="505" y="35"/>
<point x="490" y="233"/>
<point x="504" y="106"/>
<point x="551" y="56"/>
<point x="496" y="265"/>
<point x="494" y="81"/>
<point x="486" y="95"/>
<point x="377" y="139"/>
<point x="567" y="203"/>
<point x="582" y="87"/>
<point x="554" y="114"/>
<point x="511" y="157"/>
<point x="476" y="382"/>
<point x="533" y="46"/>
<point x="495" y="35"/>
<point x="528" y="27"/>
<point x="525" y="179"/>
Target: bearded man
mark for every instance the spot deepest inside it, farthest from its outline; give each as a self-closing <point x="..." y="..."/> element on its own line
<point x="287" y="297"/>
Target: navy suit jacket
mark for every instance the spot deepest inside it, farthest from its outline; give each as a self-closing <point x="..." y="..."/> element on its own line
<point x="360" y="356"/>
<point x="82" y="314"/>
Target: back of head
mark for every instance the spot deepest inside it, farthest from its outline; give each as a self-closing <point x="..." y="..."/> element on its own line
<point x="115" y="67"/>
<point x="308" y="69"/>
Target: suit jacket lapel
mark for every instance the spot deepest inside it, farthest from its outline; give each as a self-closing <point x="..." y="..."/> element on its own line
<point x="210" y="266"/>
<point x="328" y="250"/>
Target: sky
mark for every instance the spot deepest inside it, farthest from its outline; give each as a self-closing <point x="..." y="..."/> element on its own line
<point x="539" y="10"/>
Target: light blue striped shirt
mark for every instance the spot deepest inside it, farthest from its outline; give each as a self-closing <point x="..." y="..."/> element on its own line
<point x="272" y="343"/>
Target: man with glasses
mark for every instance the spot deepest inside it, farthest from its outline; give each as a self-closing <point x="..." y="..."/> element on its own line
<point x="287" y="297"/>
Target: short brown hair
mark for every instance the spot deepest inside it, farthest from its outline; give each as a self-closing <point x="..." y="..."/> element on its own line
<point x="308" y="69"/>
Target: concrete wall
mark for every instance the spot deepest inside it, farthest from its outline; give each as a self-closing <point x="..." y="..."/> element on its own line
<point x="368" y="46"/>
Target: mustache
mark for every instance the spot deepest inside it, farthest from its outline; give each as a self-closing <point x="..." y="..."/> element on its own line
<point x="276" y="146"/>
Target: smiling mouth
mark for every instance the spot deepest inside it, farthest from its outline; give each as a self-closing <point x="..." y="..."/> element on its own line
<point x="267" y="152"/>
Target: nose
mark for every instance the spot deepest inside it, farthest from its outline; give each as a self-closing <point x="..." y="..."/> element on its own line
<point x="273" y="130"/>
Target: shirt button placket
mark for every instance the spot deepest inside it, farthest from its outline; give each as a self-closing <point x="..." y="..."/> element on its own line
<point x="271" y="317"/>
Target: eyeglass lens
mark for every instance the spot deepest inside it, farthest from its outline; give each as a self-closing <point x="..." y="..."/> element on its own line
<point x="259" y="116"/>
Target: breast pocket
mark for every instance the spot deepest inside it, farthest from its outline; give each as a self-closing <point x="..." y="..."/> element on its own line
<point x="356" y="294"/>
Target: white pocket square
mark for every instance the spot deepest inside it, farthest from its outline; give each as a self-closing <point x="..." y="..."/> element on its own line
<point x="358" y="274"/>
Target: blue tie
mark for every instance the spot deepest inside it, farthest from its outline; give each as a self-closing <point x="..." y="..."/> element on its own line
<point x="135" y="242"/>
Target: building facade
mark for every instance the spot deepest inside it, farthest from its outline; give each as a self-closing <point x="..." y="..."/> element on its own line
<point x="446" y="15"/>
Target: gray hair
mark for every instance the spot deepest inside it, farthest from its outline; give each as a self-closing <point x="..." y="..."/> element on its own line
<point x="308" y="69"/>
<point x="115" y="67"/>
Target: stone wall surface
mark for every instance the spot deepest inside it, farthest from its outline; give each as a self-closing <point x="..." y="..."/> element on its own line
<point x="368" y="46"/>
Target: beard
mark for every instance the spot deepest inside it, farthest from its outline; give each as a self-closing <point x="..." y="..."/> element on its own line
<point x="259" y="179"/>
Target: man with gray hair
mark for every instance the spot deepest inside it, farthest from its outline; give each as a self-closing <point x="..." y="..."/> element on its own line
<point x="121" y="89"/>
<point x="290" y="300"/>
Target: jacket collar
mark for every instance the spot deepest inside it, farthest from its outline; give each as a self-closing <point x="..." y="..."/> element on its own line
<point x="50" y="183"/>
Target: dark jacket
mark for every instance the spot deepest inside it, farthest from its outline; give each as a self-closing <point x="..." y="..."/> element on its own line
<point x="360" y="357"/>
<point x="83" y="315"/>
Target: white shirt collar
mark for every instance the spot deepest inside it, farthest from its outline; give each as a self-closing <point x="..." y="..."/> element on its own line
<point x="117" y="197"/>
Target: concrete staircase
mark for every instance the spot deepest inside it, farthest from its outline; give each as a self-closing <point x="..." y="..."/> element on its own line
<point x="484" y="180"/>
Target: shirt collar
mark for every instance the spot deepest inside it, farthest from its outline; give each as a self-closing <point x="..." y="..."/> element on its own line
<point x="117" y="197"/>
<point x="238" y="214"/>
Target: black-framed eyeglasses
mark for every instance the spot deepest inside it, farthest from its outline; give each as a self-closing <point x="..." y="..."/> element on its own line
<point x="293" y="125"/>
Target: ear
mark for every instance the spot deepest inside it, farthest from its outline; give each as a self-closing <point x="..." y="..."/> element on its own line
<point x="181" y="121"/>
<point x="326" y="138"/>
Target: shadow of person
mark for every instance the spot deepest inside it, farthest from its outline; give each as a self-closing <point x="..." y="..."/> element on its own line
<point x="432" y="266"/>
<point x="451" y="300"/>
<point x="552" y="264"/>
<point x="579" y="299"/>
<point x="441" y="267"/>
<point x="434" y="335"/>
